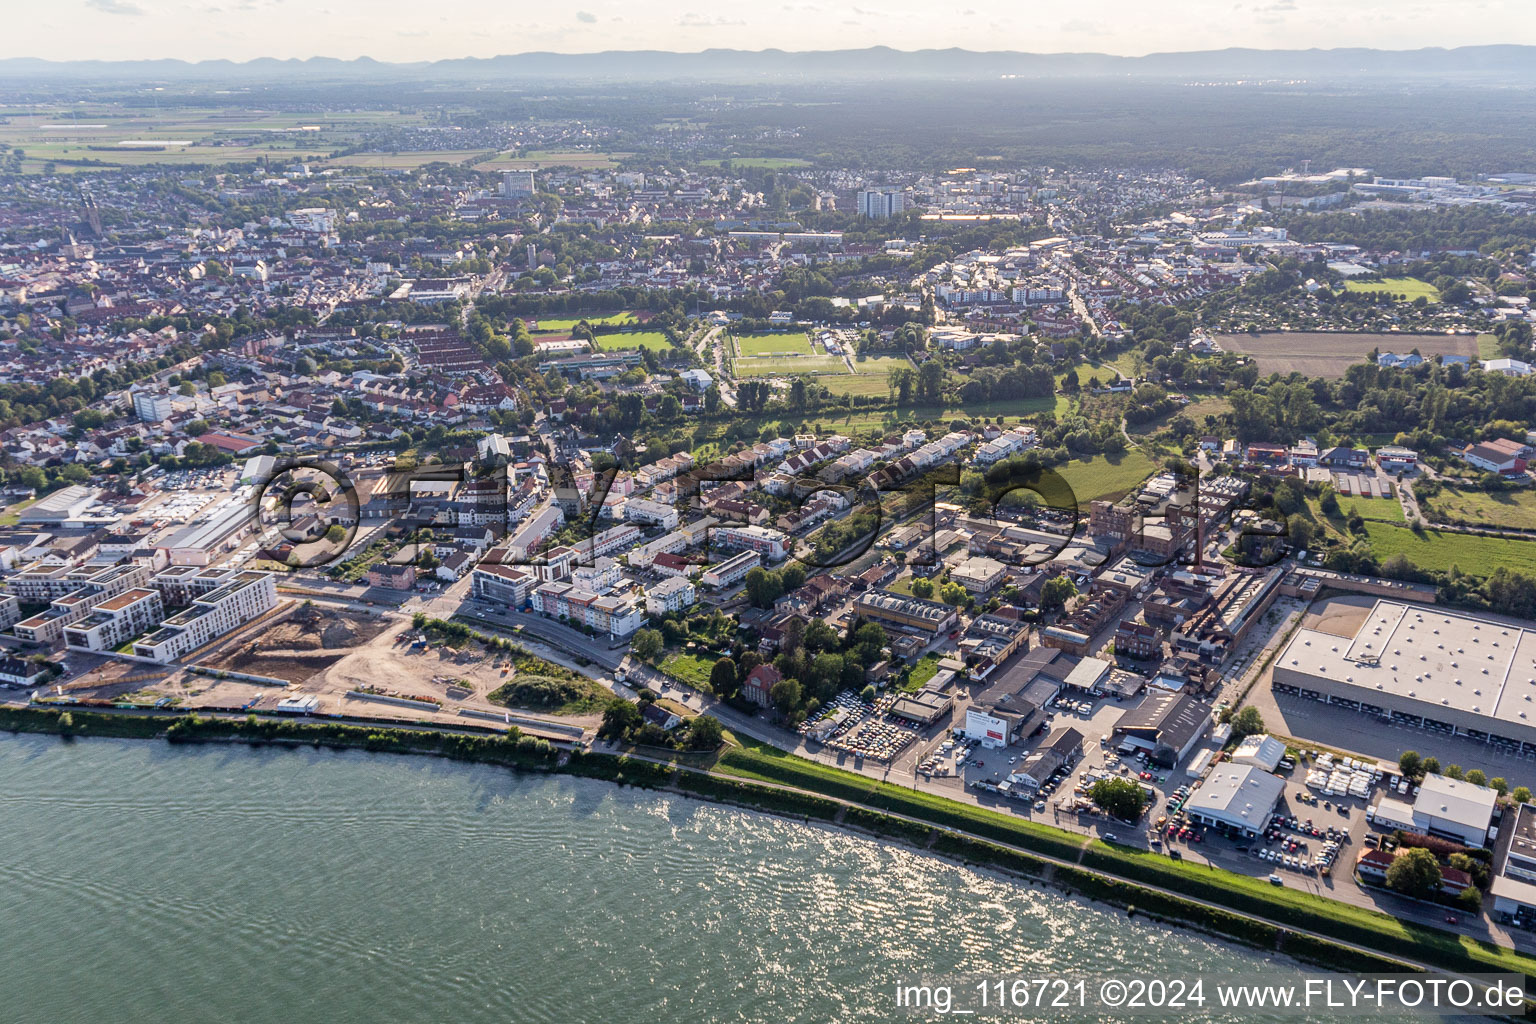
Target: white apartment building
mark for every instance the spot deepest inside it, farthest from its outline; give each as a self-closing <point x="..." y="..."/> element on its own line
<point x="245" y="595"/>
<point x="617" y="615"/>
<point x="670" y="595"/>
<point x="651" y="513"/>
<point x="152" y="408"/>
<point x="116" y="620"/>
<point x="731" y="571"/>
<point x="879" y="204"/>
<point x="91" y="586"/>
<point x="767" y="543"/>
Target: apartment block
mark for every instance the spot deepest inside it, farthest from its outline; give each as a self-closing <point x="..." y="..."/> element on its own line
<point x="116" y="620"/>
<point x="670" y="595"/>
<point x="245" y="595"/>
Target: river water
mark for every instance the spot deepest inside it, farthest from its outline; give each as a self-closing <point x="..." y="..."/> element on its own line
<point x="142" y="882"/>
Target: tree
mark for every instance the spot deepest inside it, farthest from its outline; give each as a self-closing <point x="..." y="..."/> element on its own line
<point x="930" y="382"/>
<point x="722" y="678"/>
<point x="1499" y="784"/>
<point x="1120" y="798"/>
<point x="922" y="587"/>
<point x="867" y="695"/>
<point x="1521" y="795"/>
<point x="618" y="718"/>
<point x="1415" y="873"/>
<point x="1431" y="766"/>
<point x="704" y="733"/>
<point x="785" y="695"/>
<point x="1056" y="592"/>
<point x="647" y="645"/>
<point x="1247" y="722"/>
<point x="336" y="534"/>
<point x="763" y="587"/>
<point x="1477" y="777"/>
<point x="1454" y="771"/>
<point x="1299" y="528"/>
<point x="1410" y="764"/>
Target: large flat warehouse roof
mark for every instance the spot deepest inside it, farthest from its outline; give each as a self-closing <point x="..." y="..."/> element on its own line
<point x="1444" y="664"/>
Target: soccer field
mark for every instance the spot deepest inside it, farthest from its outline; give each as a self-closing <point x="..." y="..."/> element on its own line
<point x="789" y="366"/>
<point x="564" y="324"/>
<point x="787" y="343"/>
<point x="654" y="340"/>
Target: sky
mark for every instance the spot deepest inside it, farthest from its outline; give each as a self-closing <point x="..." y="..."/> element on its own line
<point x="406" y="30"/>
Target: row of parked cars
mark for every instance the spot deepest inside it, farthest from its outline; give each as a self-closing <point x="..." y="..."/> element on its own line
<point x="1281" y="858"/>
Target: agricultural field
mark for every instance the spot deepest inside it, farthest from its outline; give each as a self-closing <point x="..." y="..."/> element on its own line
<point x="1433" y="549"/>
<point x="116" y="136"/>
<point x="1107" y="476"/>
<point x="1328" y="354"/>
<point x="1513" y="509"/>
<point x="1406" y="289"/>
<point x="788" y="343"/>
<point x="1488" y="346"/>
<point x="656" y="341"/>
<point x="404" y="161"/>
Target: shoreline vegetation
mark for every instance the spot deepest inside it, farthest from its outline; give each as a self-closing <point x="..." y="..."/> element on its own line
<point x="1299" y="925"/>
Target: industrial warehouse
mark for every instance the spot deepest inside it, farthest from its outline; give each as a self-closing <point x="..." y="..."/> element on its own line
<point x="1440" y="670"/>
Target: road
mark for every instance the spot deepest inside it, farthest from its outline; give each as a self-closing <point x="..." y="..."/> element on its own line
<point x="715" y="339"/>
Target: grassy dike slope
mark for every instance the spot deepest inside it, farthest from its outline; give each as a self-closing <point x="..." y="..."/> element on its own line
<point x="821" y="793"/>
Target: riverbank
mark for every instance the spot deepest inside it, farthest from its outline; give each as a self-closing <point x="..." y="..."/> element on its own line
<point x="1300" y="925"/>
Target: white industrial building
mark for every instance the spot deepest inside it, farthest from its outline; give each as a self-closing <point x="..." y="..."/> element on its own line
<point x="1445" y="807"/>
<point x="1261" y="751"/>
<point x="1239" y="797"/>
<point x="1434" y="668"/>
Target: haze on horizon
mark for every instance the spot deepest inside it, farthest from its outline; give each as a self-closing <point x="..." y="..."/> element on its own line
<point x="396" y="30"/>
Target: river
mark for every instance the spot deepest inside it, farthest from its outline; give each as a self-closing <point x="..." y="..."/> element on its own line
<point x="144" y="882"/>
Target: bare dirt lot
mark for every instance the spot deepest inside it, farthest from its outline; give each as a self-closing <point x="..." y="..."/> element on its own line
<point x="309" y="640"/>
<point x="1329" y="354"/>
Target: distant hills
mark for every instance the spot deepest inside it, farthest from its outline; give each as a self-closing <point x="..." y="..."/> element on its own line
<point x="1480" y="64"/>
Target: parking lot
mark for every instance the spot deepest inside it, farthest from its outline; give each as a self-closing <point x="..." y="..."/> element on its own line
<point x="1343" y="729"/>
<point x="865" y="730"/>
